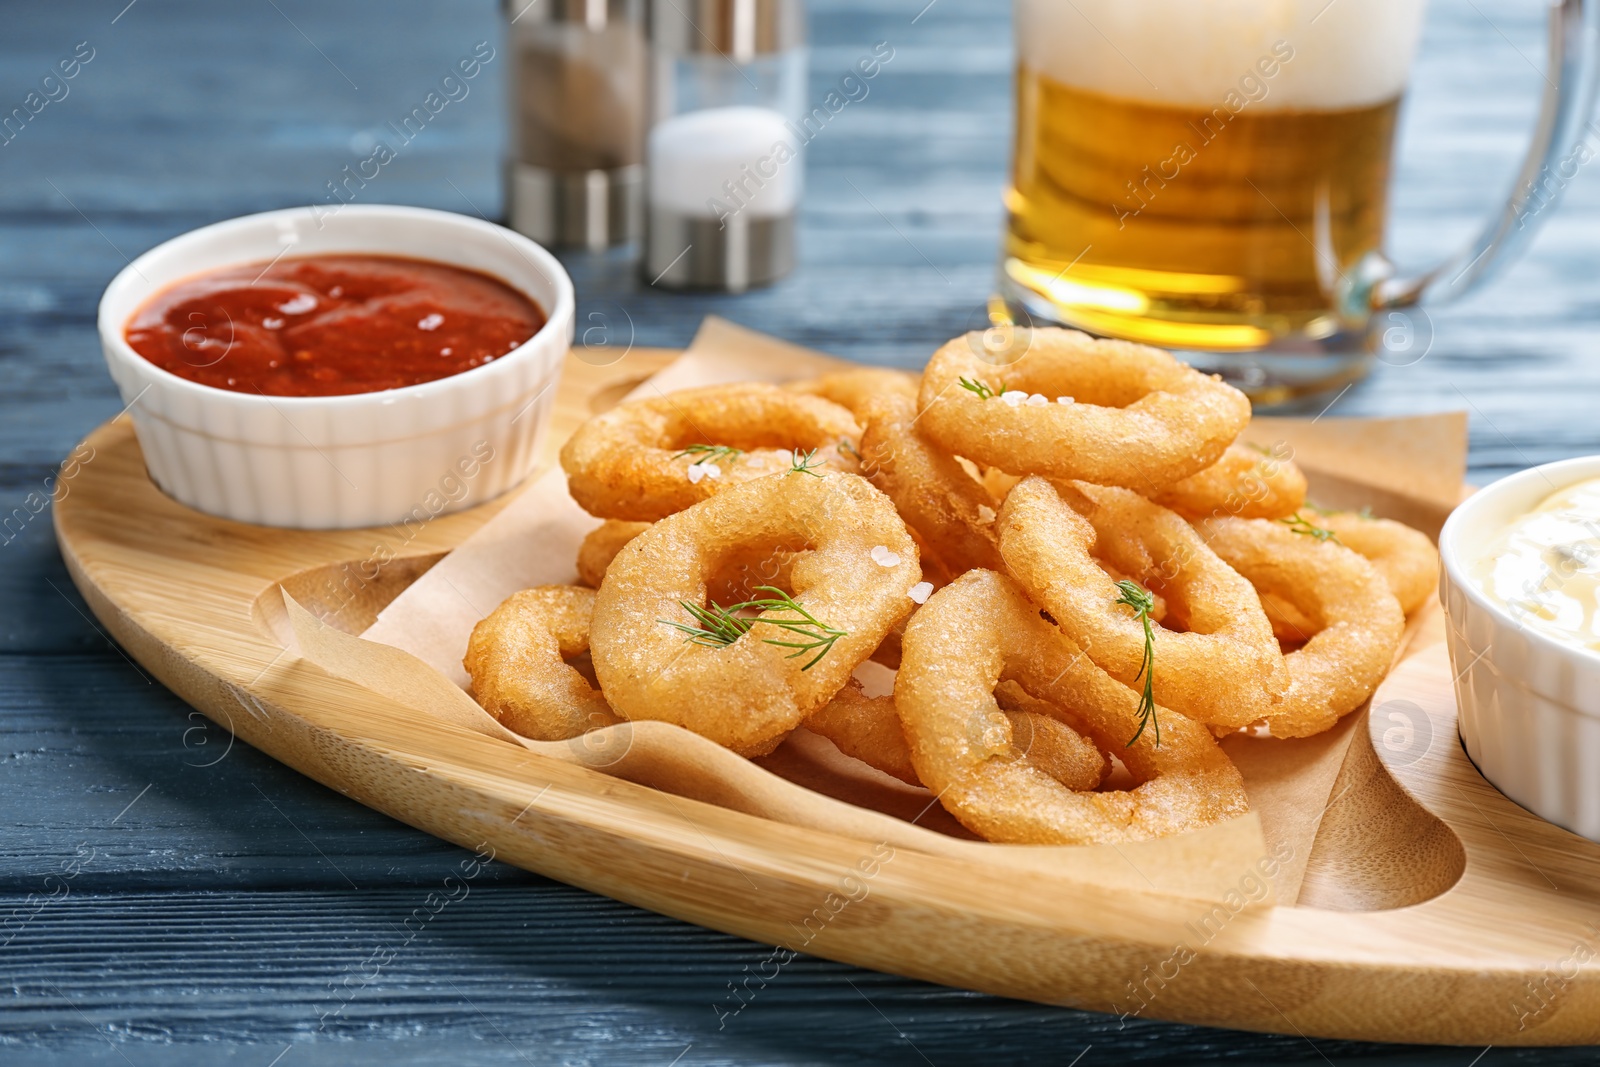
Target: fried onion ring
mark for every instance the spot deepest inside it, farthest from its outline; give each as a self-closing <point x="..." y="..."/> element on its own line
<point x="1405" y="557"/>
<point x="951" y="512"/>
<point x="1290" y="625"/>
<point x="981" y="629"/>
<point x="854" y="570"/>
<point x="517" y="657"/>
<point x="1050" y="744"/>
<point x="1215" y="656"/>
<point x="601" y="546"/>
<point x="1131" y="415"/>
<point x="735" y="581"/>
<point x="1358" y="619"/>
<point x="646" y="459"/>
<point x="868" y="729"/>
<point x="1244" y="483"/>
<point x="853" y="390"/>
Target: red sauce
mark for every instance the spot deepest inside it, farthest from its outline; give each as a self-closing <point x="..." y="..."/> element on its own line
<point x="331" y="325"/>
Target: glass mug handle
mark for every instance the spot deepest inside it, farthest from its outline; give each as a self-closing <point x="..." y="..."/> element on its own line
<point x="1564" y="119"/>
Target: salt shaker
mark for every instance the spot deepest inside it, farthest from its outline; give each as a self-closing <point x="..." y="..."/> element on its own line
<point x="579" y="92"/>
<point x="723" y="157"/>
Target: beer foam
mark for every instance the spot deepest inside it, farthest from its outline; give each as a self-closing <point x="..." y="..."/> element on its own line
<point x="1346" y="53"/>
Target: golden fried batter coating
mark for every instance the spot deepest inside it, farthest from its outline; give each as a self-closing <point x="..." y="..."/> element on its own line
<point x="1244" y="484"/>
<point x="854" y="389"/>
<point x="951" y="511"/>
<point x="517" y="657"/>
<point x="601" y="546"/>
<point x="646" y="459"/>
<point x="1108" y="412"/>
<point x="979" y="630"/>
<point x="868" y="729"/>
<point x="1215" y="656"/>
<point x="854" y="572"/>
<point x="1405" y="557"/>
<point x="1358" y="620"/>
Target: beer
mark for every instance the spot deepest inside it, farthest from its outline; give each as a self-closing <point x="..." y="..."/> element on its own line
<point x="1203" y="174"/>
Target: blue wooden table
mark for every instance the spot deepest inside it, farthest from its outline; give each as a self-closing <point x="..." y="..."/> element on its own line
<point x="167" y="898"/>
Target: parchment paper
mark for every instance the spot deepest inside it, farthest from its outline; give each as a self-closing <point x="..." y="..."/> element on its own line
<point x="1409" y="468"/>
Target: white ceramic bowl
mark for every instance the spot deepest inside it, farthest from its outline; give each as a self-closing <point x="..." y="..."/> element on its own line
<point x="1530" y="706"/>
<point x="399" y="456"/>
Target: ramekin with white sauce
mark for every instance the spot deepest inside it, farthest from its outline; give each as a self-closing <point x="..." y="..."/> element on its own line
<point x="1521" y="590"/>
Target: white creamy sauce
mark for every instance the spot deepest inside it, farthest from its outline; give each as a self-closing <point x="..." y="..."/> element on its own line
<point x="1546" y="567"/>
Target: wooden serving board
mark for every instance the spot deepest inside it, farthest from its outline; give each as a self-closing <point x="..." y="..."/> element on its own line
<point x="1442" y="911"/>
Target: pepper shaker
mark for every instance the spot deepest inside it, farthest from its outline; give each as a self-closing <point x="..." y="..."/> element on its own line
<point x="579" y="97"/>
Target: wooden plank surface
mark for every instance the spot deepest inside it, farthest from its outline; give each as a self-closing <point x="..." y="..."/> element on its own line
<point x="209" y="922"/>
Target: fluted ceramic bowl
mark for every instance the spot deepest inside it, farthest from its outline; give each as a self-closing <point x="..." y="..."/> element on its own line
<point x="1529" y="705"/>
<point x="397" y="456"/>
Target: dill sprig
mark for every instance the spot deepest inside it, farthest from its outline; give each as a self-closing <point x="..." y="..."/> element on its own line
<point x="1143" y="603"/>
<point x="981" y="388"/>
<point x="1365" y="512"/>
<point x="710" y="453"/>
<point x="804" y="463"/>
<point x="716" y="626"/>
<point x="848" y="447"/>
<point x="1299" y="524"/>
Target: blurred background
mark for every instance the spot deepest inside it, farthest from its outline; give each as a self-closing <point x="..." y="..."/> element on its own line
<point x="192" y="111"/>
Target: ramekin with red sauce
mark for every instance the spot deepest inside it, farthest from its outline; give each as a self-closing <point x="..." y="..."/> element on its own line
<point x="384" y="364"/>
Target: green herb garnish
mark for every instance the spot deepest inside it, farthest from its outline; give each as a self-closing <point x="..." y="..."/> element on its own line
<point x="804" y="463"/>
<point x="717" y="626"/>
<point x="974" y="385"/>
<point x="1302" y="525"/>
<point x="710" y="453"/>
<point x="1364" y="513"/>
<point x="1143" y="602"/>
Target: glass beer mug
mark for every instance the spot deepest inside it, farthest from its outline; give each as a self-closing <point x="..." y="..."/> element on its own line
<point x="1212" y="177"/>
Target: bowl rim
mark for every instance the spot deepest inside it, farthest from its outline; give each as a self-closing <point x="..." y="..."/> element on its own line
<point x="1579" y="468"/>
<point x="559" y="317"/>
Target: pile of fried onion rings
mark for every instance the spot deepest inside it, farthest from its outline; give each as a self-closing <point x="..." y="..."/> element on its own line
<point x="1081" y="569"/>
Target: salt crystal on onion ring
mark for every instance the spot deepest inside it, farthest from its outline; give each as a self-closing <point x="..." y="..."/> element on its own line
<point x="1136" y="416"/>
<point x="981" y="629"/>
<point x="854" y="569"/>
<point x="645" y="459"/>
<point x="1219" y="663"/>
<point x="1358" y="620"/>
<point x="517" y="657"/>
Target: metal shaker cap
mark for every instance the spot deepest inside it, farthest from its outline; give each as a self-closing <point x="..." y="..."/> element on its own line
<point x="594" y="15"/>
<point x="738" y="29"/>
